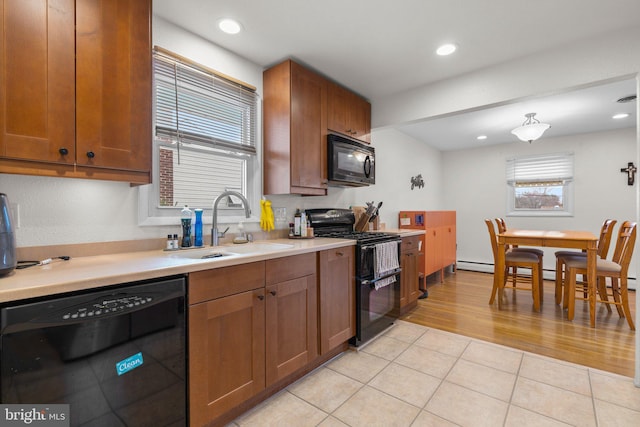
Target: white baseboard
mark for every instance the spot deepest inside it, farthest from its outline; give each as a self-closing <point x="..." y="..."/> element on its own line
<point x="548" y="274"/>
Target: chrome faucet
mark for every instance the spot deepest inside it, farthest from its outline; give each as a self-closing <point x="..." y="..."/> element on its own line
<point x="215" y="234"/>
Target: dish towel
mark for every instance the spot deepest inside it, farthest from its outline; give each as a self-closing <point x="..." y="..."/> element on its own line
<point x="386" y="260"/>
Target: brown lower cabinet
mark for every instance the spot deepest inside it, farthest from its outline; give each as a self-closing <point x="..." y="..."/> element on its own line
<point x="337" y="297"/>
<point x="251" y="326"/>
<point x="409" y="278"/>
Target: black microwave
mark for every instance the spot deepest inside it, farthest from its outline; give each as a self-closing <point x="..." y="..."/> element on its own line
<point x="350" y="163"/>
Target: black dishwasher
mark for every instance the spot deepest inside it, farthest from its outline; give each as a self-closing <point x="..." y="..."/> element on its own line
<point x="115" y="355"/>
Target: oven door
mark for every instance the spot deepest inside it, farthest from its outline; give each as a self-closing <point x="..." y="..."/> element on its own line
<point x="349" y="162"/>
<point x="377" y="306"/>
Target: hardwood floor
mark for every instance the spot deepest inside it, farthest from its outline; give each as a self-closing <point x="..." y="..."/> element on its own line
<point x="461" y="305"/>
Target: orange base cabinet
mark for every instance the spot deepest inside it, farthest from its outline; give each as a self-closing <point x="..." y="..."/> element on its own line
<point x="439" y="239"/>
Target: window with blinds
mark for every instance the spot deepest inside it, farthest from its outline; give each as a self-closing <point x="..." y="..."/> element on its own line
<point x="205" y="134"/>
<point x="540" y="185"/>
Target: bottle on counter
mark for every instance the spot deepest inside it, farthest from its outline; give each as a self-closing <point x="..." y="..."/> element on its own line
<point x="176" y="243"/>
<point x="197" y="238"/>
<point x="185" y="217"/>
<point x="297" y="223"/>
<point x="169" y="242"/>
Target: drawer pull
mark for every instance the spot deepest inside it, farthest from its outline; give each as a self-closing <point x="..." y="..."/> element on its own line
<point x="273" y="293"/>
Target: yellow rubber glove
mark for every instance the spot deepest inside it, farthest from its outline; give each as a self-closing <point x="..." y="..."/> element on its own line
<point x="270" y="223"/>
<point x="263" y="215"/>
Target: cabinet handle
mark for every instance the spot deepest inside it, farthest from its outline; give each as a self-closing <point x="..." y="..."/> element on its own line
<point x="260" y="297"/>
<point x="273" y="293"/>
<point x="91" y="154"/>
<point x="63" y="151"/>
<point x="339" y="254"/>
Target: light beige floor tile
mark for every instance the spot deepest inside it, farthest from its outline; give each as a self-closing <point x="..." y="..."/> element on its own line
<point x="406" y="384"/>
<point x="358" y="365"/>
<point x="443" y="342"/>
<point x="483" y="379"/>
<point x="612" y="415"/>
<point x="494" y="356"/>
<point x="427" y="361"/>
<point x="405" y="331"/>
<point x="427" y="419"/>
<point x="370" y="407"/>
<point x="325" y="388"/>
<point x="467" y="407"/>
<point x="386" y="348"/>
<point x="564" y="375"/>
<point x="283" y="409"/>
<point x="520" y="417"/>
<point x="560" y="404"/>
<point x="615" y="389"/>
<point x="332" y="422"/>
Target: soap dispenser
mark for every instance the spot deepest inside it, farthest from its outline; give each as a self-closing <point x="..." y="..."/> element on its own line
<point x="186" y="227"/>
<point x="197" y="240"/>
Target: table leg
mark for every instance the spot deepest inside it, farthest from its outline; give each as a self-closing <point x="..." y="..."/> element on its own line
<point x="592" y="282"/>
<point x="500" y="269"/>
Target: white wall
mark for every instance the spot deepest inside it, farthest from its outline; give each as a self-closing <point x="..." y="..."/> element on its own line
<point x="475" y="187"/>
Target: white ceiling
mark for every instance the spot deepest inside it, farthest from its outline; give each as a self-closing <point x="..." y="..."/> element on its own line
<point x="381" y="47"/>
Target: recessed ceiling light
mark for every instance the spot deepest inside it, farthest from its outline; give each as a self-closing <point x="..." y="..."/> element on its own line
<point x="482" y="137"/>
<point x="229" y="26"/>
<point x="446" y="49"/>
<point x="621" y="116"/>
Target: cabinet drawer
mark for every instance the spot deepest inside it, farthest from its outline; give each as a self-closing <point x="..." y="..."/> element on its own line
<point x="287" y="268"/>
<point x="410" y="244"/>
<point x="220" y="282"/>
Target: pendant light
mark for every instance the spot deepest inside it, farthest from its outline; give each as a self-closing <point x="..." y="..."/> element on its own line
<point x="531" y="129"/>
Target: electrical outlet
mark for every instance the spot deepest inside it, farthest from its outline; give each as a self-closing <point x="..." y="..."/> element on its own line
<point x="280" y="214"/>
<point x="15" y="214"/>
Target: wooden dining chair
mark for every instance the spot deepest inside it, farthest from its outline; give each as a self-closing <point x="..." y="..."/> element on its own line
<point x="616" y="270"/>
<point x="513" y="261"/>
<point x="502" y="227"/>
<point x="604" y="242"/>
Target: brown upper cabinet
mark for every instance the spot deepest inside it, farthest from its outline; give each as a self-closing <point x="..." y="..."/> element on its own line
<point x="348" y="113"/>
<point x="76" y="77"/>
<point x="300" y="108"/>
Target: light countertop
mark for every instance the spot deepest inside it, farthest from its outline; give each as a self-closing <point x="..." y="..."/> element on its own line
<point x="81" y="273"/>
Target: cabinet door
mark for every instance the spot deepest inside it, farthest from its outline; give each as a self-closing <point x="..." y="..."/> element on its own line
<point x="348" y="113"/>
<point x="449" y="246"/>
<point x="308" y="131"/>
<point x="226" y="354"/>
<point x="409" y="285"/>
<point x="337" y="297"/>
<point x="360" y="115"/>
<point x="338" y="102"/>
<point x="291" y="326"/>
<point x="432" y="250"/>
<point x="113" y="91"/>
<point x="37" y="69"/>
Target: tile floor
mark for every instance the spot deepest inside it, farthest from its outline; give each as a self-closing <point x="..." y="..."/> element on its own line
<point x="417" y="376"/>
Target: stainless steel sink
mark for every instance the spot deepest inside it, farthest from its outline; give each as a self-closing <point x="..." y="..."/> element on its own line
<point x="230" y="250"/>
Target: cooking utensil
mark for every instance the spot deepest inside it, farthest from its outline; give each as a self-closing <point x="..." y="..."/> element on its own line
<point x="375" y="213"/>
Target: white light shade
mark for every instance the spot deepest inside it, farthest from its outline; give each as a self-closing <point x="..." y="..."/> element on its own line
<point x="229" y="26"/>
<point x="446" y="49"/>
<point x="531" y="129"/>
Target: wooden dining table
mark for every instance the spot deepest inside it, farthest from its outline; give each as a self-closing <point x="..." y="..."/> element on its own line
<point x="584" y="240"/>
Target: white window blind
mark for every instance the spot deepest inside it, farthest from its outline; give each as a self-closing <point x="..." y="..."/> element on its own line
<point x="195" y="106"/>
<point x="543" y="169"/>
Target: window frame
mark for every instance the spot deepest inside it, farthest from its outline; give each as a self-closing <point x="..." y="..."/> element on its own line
<point x="149" y="211"/>
<point x="565" y="178"/>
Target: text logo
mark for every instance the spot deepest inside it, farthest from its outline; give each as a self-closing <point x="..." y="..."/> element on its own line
<point x="129" y="363"/>
<point x="34" y="415"/>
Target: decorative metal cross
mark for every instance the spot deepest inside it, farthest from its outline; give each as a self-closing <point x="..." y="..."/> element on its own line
<point x="631" y="172"/>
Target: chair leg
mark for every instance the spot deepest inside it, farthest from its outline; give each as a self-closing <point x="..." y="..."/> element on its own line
<point x="559" y="278"/>
<point x="535" y="286"/>
<point x="625" y="302"/>
<point x="495" y="289"/>
<point x="615" y="290"/>
<point x="570" y="292"/>
<point x="602" y="291"/>
<point x="541" y="279"/>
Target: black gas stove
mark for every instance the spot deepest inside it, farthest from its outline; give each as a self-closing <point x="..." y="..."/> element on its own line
<point x="377" y="269"/>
